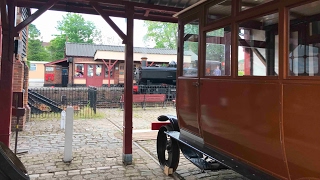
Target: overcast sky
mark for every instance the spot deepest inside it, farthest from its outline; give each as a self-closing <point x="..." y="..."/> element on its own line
<point x="47" y="22"/>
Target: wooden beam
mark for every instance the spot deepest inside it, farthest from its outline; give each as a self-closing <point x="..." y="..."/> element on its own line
<point x="259" y="55"/>
<point x="106" y="17"/>
<point x="252" y="43"/>
<point x="146" y="14"/>
<point x="4" y="15"/>
<point x="35" y="15"/>
<point x="128" y="88"/>
<point x="115" y="12"/>
<point x="104" y="62"/>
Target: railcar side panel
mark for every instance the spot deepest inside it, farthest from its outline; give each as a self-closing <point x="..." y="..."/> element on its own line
<point x="242" y="119"/>
<point x="302" y="129"/>
<point x="188" y="105"/>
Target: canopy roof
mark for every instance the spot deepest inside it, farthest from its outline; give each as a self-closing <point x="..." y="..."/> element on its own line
<point x="155" y="10"/>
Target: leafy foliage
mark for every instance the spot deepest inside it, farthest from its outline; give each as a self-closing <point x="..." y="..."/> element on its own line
<point x="73" y="28"/>
<point x="36" y="52"/>
<point x="165" y="35"/>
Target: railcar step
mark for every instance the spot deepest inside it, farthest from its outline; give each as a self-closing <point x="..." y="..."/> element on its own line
<point x="204" y="165"/>
<point x="236" y="165"/>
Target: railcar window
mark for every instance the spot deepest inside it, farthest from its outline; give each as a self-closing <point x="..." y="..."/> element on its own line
<point x="107" y="72"/>
<point x="218" y="52"/>
<point x="219" y="11"/>
<point x="79" y="70"/>
<point x="304" y="41"/>
<point x="247" y="4"/>
<point x="98" y="70"/>
<point x="258" y="46"/>
<point x="190" y="53"/>
<point x="90" y="70"/>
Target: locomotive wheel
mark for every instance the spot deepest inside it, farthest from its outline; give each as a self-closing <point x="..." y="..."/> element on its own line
<point x="167" y="149"/>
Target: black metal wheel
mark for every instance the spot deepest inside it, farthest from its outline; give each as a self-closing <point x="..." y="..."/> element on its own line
<point x="167" y="149"/>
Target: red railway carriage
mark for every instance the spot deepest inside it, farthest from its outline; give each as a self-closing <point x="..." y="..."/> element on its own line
<point x="257" y="111"/>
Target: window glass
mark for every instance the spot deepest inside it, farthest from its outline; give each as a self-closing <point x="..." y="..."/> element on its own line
<point x="218" y="52"/>
<point x="304" y="41"/>
<point x="98" y="70"/>
<point x="78" y="70"/>
<point x="33" y="67"/>
<point x="247" y="4"/>
<point x="219" y="11"/>
<point x="258" y="46"/>
<point x="107" y="73"/>
<point x="49" y="69"/>
<point x="190" y="47"/>
<point x="90" y="70"/>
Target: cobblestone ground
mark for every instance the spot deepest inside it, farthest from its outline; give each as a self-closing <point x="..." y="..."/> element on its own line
<point x="97" y="150"/>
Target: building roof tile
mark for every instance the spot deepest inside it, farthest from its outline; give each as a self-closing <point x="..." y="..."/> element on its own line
<point x="88" y="50"/>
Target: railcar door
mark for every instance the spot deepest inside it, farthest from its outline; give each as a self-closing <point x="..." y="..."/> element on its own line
<point x="188" y="80"/>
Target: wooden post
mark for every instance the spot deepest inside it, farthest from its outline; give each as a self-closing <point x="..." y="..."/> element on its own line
<point x="7" y="76"/>
<point x="128" y="88"/>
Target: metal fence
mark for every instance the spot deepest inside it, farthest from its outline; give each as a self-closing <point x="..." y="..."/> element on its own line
<point x="50" y="102"/>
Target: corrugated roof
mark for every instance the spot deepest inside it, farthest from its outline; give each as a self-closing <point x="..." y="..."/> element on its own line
<point x="88" y="50"/>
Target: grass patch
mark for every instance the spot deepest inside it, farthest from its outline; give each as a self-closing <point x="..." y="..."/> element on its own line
<point x="83" y="113"/>
<point x="87" y="113"/>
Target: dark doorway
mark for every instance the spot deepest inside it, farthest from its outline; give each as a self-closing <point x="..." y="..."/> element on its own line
<point x="65" y="73"/>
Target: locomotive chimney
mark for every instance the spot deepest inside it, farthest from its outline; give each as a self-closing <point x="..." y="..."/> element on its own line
<point x="144" y="62"/>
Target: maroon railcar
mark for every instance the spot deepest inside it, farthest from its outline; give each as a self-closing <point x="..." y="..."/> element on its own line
<point x="258" y="111"/>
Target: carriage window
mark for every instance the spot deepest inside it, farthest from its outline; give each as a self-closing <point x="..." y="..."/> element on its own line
<point x="190" y="53"/>
<point x="258" y="46"/>
<point x="90" y="70"/>
<point x="304" y="41"/>
<point x="247" y="4"/>
<point x="107" y="72"/>
<point x="219" y="11"/>
<point x="218" y="52"/>
<point x="78" y="70"/>
<point x="98" y="70"/>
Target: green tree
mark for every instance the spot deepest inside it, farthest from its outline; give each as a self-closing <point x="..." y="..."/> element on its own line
<point x="36" y="52"/>
<point x="165" y="35"/>
<point x="73" y="28"/>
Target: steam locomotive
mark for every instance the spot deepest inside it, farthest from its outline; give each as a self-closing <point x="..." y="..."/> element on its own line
<point x="156" y="80"/>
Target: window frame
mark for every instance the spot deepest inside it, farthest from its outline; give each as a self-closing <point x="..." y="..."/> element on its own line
<point x="84" y="70"/>
<point x="287" y="74"/>
<point x="35" y="67"/>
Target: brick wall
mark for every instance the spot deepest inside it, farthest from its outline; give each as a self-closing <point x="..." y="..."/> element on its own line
<point x="21" y="72"/>
<point x="18" y="85"/>
<point x="18" y="75"/>
<point x="26" y="87"/>
<point x="57" y="76"/>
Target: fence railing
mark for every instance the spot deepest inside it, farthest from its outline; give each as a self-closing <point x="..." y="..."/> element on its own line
<point x="49" y="102"/>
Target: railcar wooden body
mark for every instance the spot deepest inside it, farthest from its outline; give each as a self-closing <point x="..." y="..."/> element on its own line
<point x="258" y="111"/>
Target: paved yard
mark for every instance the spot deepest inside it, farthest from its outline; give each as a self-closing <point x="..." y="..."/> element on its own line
<point x="97" y="150"/>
